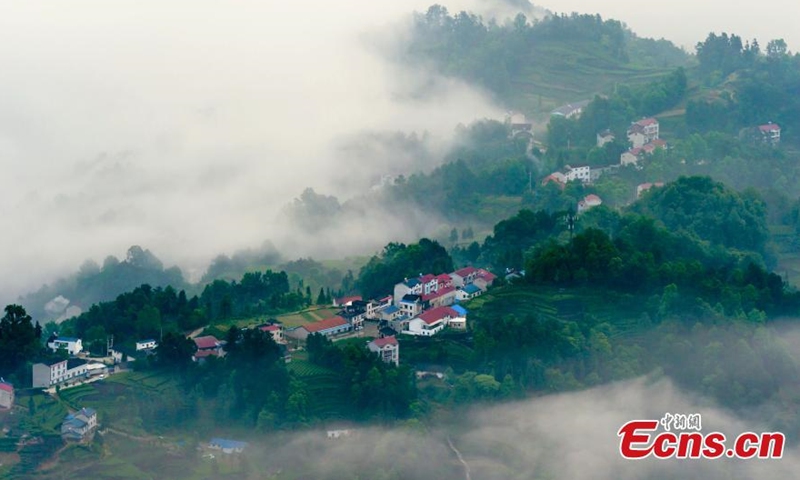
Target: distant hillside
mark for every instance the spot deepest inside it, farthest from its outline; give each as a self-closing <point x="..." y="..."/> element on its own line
<point x="536" y="66"/>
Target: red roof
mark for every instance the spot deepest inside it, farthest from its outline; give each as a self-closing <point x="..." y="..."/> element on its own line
<point x="331" y="322"/>
<point x="270" y="328"/>
<point x="205" y="353"/>
<point x="345" y="300"/>
<point x="444" y="278"/>
<point x="635" y="151"/>
<point x="466" y="271"/>
<point x="9" y="388"/>
<point x="770" y="127"/>
<point x="436" y="314"/>
<point x="208" y="341"/>
<point x="426" y="278"/>
<point x="647" y="121"/>
<point x="382" y="342"/>
<point x="441" y="291"/>
<point x="592" y="199"/>
<point x="486" y="275"/>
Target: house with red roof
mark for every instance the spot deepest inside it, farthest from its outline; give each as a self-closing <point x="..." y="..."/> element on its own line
<point x="430" y="322"/>
<point x="442" y="296"/>
<point x="484" y="279"/>
<point x="642" y="132"/>
<point x="770" y="132"/>
<point x="208" y="346"/>
<point x="589" y="201"/>
<point x="275" y="330"/>
<point x="336" y="325"/>
<point x="387" y="349"/>
<point x="464" y="276"/>
<point x="345" y="301"/>
<point x="643" y="187"/>
<point x="6" y="394"/>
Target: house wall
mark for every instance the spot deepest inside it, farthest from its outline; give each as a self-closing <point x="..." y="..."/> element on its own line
<point x="6" y="399"/>
<point x="628" y="158"/>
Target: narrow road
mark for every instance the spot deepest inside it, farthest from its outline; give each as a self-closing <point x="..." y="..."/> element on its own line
<point x="460" y="459"/>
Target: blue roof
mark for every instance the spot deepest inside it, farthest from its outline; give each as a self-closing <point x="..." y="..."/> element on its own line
<point x="461" y="310"/>
<point x="146" y="341"/>
<point x="412" y="282"/>
<point x="470" y="289"/>
<point x="67" y="339"/>
<point x="225" y="443"/>
<point x="391" y="309"/>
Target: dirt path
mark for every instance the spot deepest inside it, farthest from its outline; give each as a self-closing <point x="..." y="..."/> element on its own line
<point x="467" y="475"/>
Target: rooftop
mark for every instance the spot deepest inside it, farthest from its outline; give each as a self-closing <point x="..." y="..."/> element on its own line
<point x="343" y="300"/>
<point x="466" y="271"/>
<point x="769" y="127"/>
<point x="470" y="289"/>
<point x="382" y="342"/>
<point x="461" y="311"/>
<point x="390" y="309"/>
<point x="227" y="444"/>
<point x="75" y="362"/>
<point x="67" y="339"/>
<point x="6" y="386"/>
<point x="436" y="314"/>
<point x="326" y="324"/>
<point x="207" y="341"/>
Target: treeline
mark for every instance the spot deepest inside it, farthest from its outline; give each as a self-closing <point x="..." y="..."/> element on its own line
<point x="493" y="55"/>
<point x="94" y="283"/>
<point x="764" y="88"/>
<point x="397" y="261"/>
<point x="148" y="312"/>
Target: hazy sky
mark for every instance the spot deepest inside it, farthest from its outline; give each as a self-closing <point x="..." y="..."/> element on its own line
<point x="184" y="126"/>
<point x="686" y="22"/>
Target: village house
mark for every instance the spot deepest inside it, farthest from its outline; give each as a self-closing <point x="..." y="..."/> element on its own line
<point x="570" y="110"/>
<point x="208" y="346"/>
<point x="464" y="276"/>
<point x="330" y="326"/>
<point x="460" y="321"/>
<point x="375" y="307"/>
<point x="604" y="137"/>
<point x="79" y="426"/>
<point x="556" y="177"/>
<point x="73" y="346"/>
<point x="431" y="322"/>
<point x="6" y="394"/>
<point x="354" y="314"/>
<point x="146" y="345"/>
<point x="345" y="301"/>
<point x="227" y="446"/>
<point x="770" y="133"/>
<point x="409" y="286"/>
<point x="54" y="372"/>
<point x="387" y="349"/>
<point x="484" y="279"/>
<point x="411" y="305"/>
<point x="518" y="125"/>
<point x="589" y="201"/>
<point x="275" y="330"/>
<point x="390" y="313"/>
<point x="643" y="187"/>
<point x="468" y="292"/>
<point x="442" y="296"/>
<point x="642" y="132"/>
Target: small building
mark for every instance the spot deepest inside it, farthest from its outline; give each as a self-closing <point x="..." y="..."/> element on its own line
<point x="464" y="276"/>
<point x="458" y="322"/>
<point x="484" y="279"/>
<point x="51" y="373"/>
<point x="337" y="434"/>
<point x="387" y="349"/>
<point x="275" y="330"/>
<point x="582" y="173"/>
<point x="589" y="201"/>
<point x="643" y="187"/>
<point x="345" y="301"/>
<point x="389" y="313"/>
<point x="149" y="344"/>
<point x="642" y="132"/>
<point x="469" y="292"/>
<point x="570" y="110"/>
<point x="558" y="178"/>
<point x="431" y="322"/>
<point x="604" y="137"/>
<point x="79" y="426"/>
<point x="440" y="297"/>
<point x="630" y="157"/>
<point x="6" y="394"/>
<point x="770" y="133"/>
<point x="227" y="446"/>
<point x="411" y="305"/>
<point x="73" y="346"/>
<point x="328" y="327"/>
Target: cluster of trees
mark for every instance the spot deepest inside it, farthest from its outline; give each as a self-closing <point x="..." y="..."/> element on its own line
<point x="94" y="283"/>
<point x="373" y="388"/>
<point x="493" y="55"/>
<point x="148" y="312"/>
<point x="20" y="343"/>
<point x="763" y="89"/>
<point x="397" y="261"/>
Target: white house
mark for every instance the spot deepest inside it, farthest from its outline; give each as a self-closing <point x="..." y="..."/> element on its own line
<point x="227" y="446"/>
<point x="580" y="172"/>
<point x="6" y="394"/>
<point x="630" y="157"/>
<point x="464" y="276"/>
<point x="431" y="322"/>
<point x="411" y="305"/>
<point x="570" y="110"/>
<point x="642" y="132"/>
<point x="387" y="349"/>
<point x="73" y="346"/>
<point x="604" y="137"/>
<point x="275" y="330"/>
<point x="469" y="292"/>
<point x="146" y="345"/>
<point x="409" y="286"/>
<point x="78" y="426"/>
